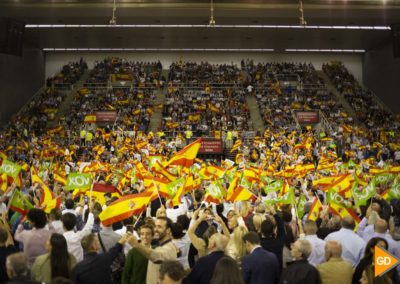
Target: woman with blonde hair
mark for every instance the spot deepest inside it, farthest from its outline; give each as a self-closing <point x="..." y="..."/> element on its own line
<point x="236" y="247"/>
<point x="257" y="221"/>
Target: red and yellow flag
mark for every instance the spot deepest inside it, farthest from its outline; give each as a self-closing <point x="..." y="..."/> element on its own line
<point x="186" y="156"/>
<point x="125" y="207"/>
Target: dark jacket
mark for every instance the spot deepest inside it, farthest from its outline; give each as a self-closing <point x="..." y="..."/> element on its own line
<point x="300" y="272"/>
<point x="203" y="271"/>
<point x="95" y="268"/>
<point x="260" y="267"/>
<point x="276" y="244"/>
<point x="22" y="280"/>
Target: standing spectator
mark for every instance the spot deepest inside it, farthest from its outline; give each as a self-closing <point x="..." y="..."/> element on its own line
<point x="300" y="271"/>
<point x="271" y="241"/>
<point x="95" y="268"/>
<point x="335" y="269"/>
<point x="165" y="251"/>
<point x="254" y="264"/>
<point x="317" y="255"/>
<point x="352" y="244"/>
<point x="226" y="271"/>
<point x="6" y="248"/>
<point x="34" y="240"/>
<point x="171" y="272"/>
<point x="135" y="269"/>
<point x="17" y="269"/>
<point x="203" y="270"/>
<point x="57" y="263"/>
<point x="74" y="238"/>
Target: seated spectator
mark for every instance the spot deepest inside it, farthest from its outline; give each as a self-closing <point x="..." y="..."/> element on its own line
<point x="335" y="269"/>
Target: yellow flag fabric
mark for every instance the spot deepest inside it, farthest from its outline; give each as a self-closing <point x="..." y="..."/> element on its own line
<point x="125" y="207"/>
<point x="186" y="156"/>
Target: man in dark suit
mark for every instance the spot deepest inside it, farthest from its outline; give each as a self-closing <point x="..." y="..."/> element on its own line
<point x="95" y="268"/>
<point x="259" y="266"/>
<point x="203" y="271"/>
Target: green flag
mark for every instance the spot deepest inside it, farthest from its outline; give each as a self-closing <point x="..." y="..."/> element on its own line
<point x="394" y="192"/>
<point x="384" y="179"/>
<point x="300" y="206"/>
<point x="79" y="181"/>
<point x="334" y="197"/>
<point x="287" y="198"/>
<point x="361" y="197"/>
<point x="153" y="160"/>
<point x="216" y="190"/>
<point x="174" y="186"/>
<point x="274" y="186"/>
<point x="19" y="203"/>
<point x="9" y="168"/>
<point x="133" y="176"/>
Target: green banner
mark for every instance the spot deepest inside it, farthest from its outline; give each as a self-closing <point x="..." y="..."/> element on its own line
<point x="9" y="168"/>
<point x="79" y="181"/>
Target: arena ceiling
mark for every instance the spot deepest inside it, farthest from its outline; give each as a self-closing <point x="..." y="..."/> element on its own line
<point x="154" y="23"/>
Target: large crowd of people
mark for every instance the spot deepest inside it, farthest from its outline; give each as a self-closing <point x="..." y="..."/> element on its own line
<point x="292" y="207"/>
<point x="360" y="99"/>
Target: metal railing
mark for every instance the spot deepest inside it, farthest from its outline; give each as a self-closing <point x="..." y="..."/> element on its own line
<point x="325" y="122"/>
<point x="298" y="126"/>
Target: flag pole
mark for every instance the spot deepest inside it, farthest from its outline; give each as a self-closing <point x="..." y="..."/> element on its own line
<point x="298" y="220"/>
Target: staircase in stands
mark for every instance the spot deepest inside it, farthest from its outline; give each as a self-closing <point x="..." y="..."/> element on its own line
<point x="332" y="89"/>
<point x="156" y="118"/>
<point x="65" y="105"/>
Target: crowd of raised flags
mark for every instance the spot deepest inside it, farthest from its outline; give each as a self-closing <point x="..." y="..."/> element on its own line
<point x="345" y="185"/>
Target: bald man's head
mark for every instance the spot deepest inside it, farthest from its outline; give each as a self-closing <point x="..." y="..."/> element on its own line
<point x="310" y="227"/>
<point x="333" y="249"/>
<point x="217" y="242"/>
<point x="380" y="226"/>
<point x="348" y="223"/>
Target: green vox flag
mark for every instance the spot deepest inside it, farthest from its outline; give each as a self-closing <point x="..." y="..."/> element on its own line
<point x="9" y="168"/>
<point x="79" y="181"/>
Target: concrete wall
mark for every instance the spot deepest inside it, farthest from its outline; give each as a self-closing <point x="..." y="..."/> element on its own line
<point x="54" y="61"/>
<point x="20" y="78"/>
<point x="381" y="72"/>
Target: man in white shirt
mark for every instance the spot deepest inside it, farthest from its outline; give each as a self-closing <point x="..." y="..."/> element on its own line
<point x="352" y="245"/>
<point x="317" y="255"/>
<point x="74" y="238"/>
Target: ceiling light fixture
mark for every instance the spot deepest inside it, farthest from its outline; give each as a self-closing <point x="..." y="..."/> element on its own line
<point x="302" y="21"/>
<point x="212" y="21"/>
<point x="47" y="26"/>
<point x="113" y="20"/>
<point x="326" y="50"/>
<point x="161" y="49"/>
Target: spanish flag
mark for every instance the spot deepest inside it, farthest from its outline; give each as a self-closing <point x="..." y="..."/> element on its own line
<point x="90" y="118"/>
<point x="186" y="156"/>
<point x="125" y="207"/>
<point x="47" y="194"/>
<point x="316" y="207"/>
<point x="60" y="178"/>
<point x="236" y="146"/>
<point x="213" y="108"/>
